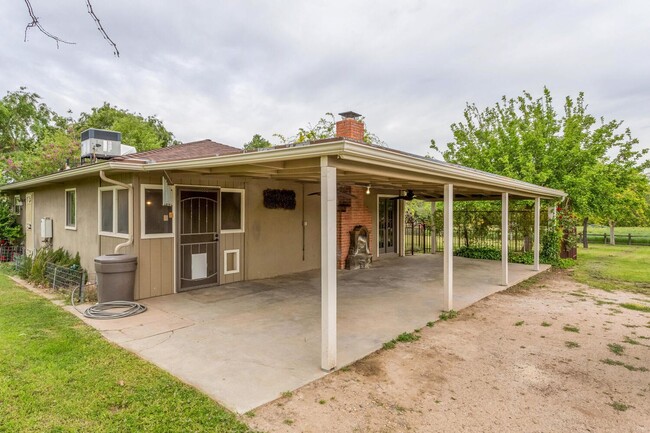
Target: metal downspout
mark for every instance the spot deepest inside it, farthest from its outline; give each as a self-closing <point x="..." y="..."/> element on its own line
<point x="129" y="242"/>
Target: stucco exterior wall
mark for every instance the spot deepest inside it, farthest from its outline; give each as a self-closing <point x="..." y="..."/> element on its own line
<point x="278" y="242"/>
<point x="84" y="239"/>
<point x="50" y="202"/>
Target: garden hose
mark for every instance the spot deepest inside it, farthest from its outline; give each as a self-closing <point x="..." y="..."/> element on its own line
<point x="107" y="310"/>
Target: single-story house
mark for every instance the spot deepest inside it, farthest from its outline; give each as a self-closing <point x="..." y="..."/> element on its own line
<point x="206" y="214"/>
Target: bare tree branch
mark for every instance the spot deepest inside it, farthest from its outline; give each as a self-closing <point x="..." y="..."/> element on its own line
<point x="101" y="29"/>
<point x="37" y="24"/>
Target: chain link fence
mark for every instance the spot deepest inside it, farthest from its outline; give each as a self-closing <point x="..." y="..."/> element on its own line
<point x="65" y="277"/>
<point x="9" y="253"/>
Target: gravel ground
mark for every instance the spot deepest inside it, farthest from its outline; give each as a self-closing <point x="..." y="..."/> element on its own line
<point x="551" y="355"/>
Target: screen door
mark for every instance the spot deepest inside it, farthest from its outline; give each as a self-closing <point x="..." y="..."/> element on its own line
<point x="198" y="243"/>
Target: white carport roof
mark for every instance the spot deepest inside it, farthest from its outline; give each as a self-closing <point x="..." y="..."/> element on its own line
<point x="357" y="163"/>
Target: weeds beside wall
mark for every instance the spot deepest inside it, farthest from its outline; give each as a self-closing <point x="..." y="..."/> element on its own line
<point x="58" y="269"/>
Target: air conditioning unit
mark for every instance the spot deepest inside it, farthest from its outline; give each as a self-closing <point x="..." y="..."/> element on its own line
<point x="101" y="144"/>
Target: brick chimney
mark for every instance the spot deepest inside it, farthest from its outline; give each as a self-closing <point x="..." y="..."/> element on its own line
<point x="350" y="126"/>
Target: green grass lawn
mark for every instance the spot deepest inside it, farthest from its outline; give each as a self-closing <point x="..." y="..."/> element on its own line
<point x="59" y="375"/>
<point x="619" y="267"/>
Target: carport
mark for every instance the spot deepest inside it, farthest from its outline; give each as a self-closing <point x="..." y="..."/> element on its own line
<point x="245" y="343"/>
<point x="348" y="161"/>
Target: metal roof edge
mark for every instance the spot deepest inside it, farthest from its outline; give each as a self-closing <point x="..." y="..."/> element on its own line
<point x="346" y="149"/>
<point x="66" y="174"/>
<point x="360" y="152"/>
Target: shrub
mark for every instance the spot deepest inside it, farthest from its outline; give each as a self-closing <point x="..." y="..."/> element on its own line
<point x="551" y="242"/>
<point x="549" y="252"/>
<point x="478" y="253"/>
<point x="24" y="267"/>
<point x="9" y="227"/>
<point x="35" y="269"/>
<point x="488" y="253"/>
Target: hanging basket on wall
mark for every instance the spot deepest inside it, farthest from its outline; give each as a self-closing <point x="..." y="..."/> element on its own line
<point x="279" y="199"/>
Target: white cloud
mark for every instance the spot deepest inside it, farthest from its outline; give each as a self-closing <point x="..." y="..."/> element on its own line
<point x="228" y="70"/>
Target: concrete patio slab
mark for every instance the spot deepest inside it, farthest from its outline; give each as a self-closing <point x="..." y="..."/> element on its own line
<point x="245" y="343"/>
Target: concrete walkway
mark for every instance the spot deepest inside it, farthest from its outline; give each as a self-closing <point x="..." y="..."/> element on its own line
<point x="245" y="343"/>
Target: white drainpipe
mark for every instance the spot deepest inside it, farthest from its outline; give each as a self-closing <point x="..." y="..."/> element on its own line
<point x="129" y="242"/>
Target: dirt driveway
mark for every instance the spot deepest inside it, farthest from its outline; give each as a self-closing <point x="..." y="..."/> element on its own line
<point x="552" y="356"/>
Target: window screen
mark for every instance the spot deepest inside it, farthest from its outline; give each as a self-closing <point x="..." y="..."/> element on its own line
<point x="122" y="211"/>
<point x="71" y="208"/>
<point x="157" y="218"/>
<point x="231" y="211"/>
<point x="107" y="211"/>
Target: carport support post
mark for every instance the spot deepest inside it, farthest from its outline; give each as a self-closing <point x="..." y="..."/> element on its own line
<point x="328" y="263"/>
<point x="536" y="234"/>
<point x="434" y="247"/>
<point x="448" y="245"/>
<point x="504" y="239"/>
<point x="401" y="207"/>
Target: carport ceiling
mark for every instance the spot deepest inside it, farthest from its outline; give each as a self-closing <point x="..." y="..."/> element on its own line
<point x="354" y="173"/>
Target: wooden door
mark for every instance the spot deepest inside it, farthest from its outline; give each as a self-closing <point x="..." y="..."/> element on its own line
<point x="30" y="247"/>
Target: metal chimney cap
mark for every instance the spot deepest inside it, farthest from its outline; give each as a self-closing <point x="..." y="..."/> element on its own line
<point x="349" y="115"/>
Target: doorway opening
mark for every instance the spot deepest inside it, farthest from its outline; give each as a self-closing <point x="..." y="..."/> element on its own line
<point x="387" y="223"/>
<point x="198" y="238"/>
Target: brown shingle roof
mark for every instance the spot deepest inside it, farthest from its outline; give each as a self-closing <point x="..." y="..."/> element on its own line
<point x="180" y="152"/>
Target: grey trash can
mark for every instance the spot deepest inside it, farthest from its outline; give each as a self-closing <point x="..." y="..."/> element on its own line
<point x="115" y="277"/>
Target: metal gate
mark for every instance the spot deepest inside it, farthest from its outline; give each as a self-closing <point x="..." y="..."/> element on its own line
<point x="198" y="240"/>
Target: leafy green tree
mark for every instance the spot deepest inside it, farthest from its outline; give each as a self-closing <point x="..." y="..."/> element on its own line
<point x="25" y="121"/>
<point x="525" y="138"/>
<point x="144" y="133"/>
<point x="35" y="140"/>
<point x="9" y="228"/>
<point x="257" y="142"/>
<point x="55" y="151"/>
<point x="626" y="200"/>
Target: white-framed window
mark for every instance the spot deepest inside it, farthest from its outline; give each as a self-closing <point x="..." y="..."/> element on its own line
<point x="18" y="204"/>
<point x="156" y="220"/>
<point x="230" y="262"/>
<point x="232" y="210"/>
<point x="113" y="211"/>
<point x="71" y="209"/>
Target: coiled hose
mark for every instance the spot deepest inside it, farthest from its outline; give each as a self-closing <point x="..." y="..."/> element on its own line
<point x="107" y="310"/>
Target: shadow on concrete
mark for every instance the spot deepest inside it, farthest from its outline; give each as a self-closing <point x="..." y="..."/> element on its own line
<point x="245" y="343"/>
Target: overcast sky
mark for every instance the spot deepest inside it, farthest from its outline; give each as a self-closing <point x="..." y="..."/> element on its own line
<point x="226" y="70"/>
